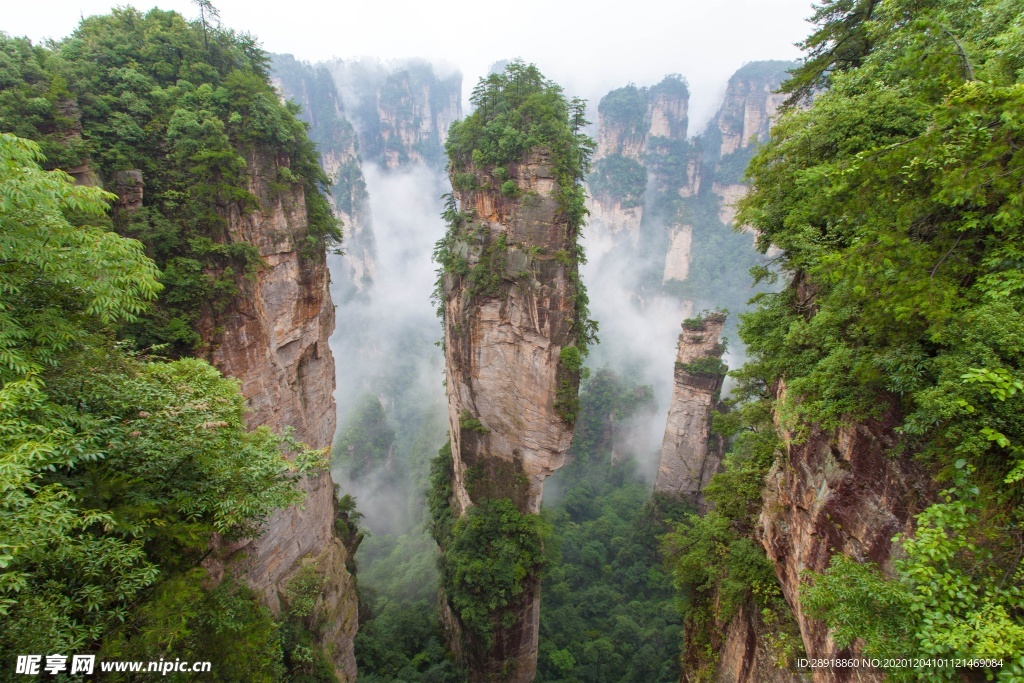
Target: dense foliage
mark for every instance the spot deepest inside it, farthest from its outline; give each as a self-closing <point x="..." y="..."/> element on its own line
<point x="896" y="200"/>
<point x="191" y="106"/>
<point x="519" y="112"/>
<point x="620" y="178"/>
<point x="116" y="469"/>
<point x="365" y="444"/>
<point x="608" y="611"/>
<point x="492" y="551"/>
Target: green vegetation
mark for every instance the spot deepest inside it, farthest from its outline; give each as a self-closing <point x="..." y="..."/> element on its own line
<point x="517" y="112"/>
<point x="608" y="607"/>
<point x="191" y="106"/>
<point x="895" y="199"/>
<point x="705" y="366"/>
<point x="366" y="443"/>
<point x="625" y="107"/>
<point x="466" y="421"/>
<point x="570" y="372"/>
<point x="117" y="468"/>
<point x="622" y="179"/>
<point x="492" y="554"/>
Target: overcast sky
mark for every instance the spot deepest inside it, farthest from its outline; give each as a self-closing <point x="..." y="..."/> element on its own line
<point x="588" y="47"/>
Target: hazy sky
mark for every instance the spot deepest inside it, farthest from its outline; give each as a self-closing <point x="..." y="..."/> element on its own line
<point x="588" y="47"/>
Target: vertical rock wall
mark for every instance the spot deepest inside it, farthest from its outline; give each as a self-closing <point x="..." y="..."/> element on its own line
<point x="689" y="456"/>
<point x="273" y="340"/>
<point x="744" y="120"/>
<point x="627" y="131"/>
<point x="838" y="492"/>
<point x="503" y="370"/>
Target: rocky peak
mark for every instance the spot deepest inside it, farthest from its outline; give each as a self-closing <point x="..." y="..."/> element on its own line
<point x="750" y="104"/>
<point x="402" y="111"/>
<point x="627" y="117"/>
<point x="744" y="120"/>
<point x="508" y="325"/>
<point x="313" y="87"/>
<point x="273" y="339"/>
<point x="689" y="455"/>
<point x="503" y="344"/>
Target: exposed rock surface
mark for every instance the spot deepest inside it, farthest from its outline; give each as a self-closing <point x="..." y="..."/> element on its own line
<point x="128" y="186"/>
<point x="729" y="194"/>
<point x="273" y="339"/>
<point x="748" y="109"/>
<point x="747" y="656"/>
<point x="503" y="370"/>
<point x="677" y="260"/>
<point x="840" y="492"/>
<point x="743" y="121"/>
<point x="314" y="88"/>
<point x="689" y="457"/>
<point x="658" y="112"/>
<point x="610" y="215"/>
<point x="401" y="111"/>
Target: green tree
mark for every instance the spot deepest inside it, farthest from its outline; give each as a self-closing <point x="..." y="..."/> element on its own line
<point x="115" y="470"/>
<point x="895" y="201"/>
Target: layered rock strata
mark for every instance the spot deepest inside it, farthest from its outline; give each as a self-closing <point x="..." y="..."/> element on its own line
<point x="503" y="348"/>
<point x="273" y="340"/>
<point x="631" y="121"/>
<point x="837" y="492"/>
<point x="744" y="120"/>
<point x="689" y="455"/>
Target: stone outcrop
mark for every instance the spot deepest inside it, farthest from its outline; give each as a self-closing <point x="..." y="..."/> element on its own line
<point x="747" y="655"/>
<point x="631" y="121"/>
<point x="689" y="456"/>
<point x="273" y="340"/>
<point x="838" y="492"/>
<point x="502" y="352"/>
<point x="749" y="106"/>
<point x="504" y="372"/>
<point x="128" y="186"/>
<point x="314" y="88"/>
<point x="743" y="121"/>
<point x="677" y="260"/>
<point x="401" y="110"/>
<point x="609" y="215"/>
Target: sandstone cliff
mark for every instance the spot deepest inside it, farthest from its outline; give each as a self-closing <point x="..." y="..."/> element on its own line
<point x="633" y="123"/>
<point x="314" y="89"/>
<point x="273" y="340"/>
<point x="839" y="492"/>
<point x="401" y="111"/>
<point x="502" y="347"/>
<point x="689" y="454"/>
<point x="510" y="386"/>
<point x="743" y="121"/>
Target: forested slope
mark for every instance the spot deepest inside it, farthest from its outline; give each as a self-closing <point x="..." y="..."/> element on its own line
<point x="131" y="478"/>
<point x="883" y="397"/>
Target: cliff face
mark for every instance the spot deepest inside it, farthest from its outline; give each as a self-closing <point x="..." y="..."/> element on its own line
<point x="273" y="339"/>
<point x="838" y="492"/>
<point x="314" y="89"/>
<point x="502" y="352"/>
<point x="401" y="111"/>
<point x="743" y="121"/>
<point x="631" y="123"/>
<point x="747" y="656"/>
<point x="689" y="457"/>
<point x="503" y="370"/>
